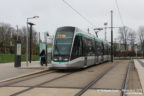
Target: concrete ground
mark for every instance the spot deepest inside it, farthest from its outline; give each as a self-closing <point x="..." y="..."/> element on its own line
<point x="50" y="92"/>
<point x="8" y="71"/>
<point x="140" y="70"/>
<point x="114" y="78"/>
<point x="92" y="92"/>
<point x="71" y="84"/>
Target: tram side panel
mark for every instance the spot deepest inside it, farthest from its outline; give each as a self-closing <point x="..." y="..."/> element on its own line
<point x="77" y="58"/>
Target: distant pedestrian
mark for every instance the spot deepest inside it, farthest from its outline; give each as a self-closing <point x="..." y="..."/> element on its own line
<point x="43" y="57"/>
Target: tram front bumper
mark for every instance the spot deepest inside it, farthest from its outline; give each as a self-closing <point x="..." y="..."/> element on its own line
<point x="63" y="65"/>
<point x="59" y="64"/>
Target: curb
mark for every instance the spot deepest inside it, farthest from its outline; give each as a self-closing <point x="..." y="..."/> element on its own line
<point x="25" y="75"/>
<point x="139" y="69"/>
<point x="44" y="68"/>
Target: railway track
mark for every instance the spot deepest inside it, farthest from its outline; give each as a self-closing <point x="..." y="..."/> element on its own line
<point x="79" y="83"/>
<point x="23" y="82"/>
<point x="93" y="82"/>
<point x="20" y="79"/>
<point x="125" y="85"/>
<point x="123" y="91"/>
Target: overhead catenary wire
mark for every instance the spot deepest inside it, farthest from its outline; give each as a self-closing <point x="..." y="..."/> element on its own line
<point x="121" y="19"/>
<point x="79" y="13"/>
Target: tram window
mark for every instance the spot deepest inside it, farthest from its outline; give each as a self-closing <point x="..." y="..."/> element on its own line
<point x="84" y="46"/>
<point x="63" y="41"/>
<point x="109" y="50"/>
<point x="105" y="50"/>
<point x="90" y="47"/>
<point x="101" y="49"/>
<point x="77" y="48"/>
<point x="96" y="47"/>
<point x="93" y="46"/>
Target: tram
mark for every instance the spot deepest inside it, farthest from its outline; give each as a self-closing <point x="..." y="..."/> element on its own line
<point x="74" y="48"/>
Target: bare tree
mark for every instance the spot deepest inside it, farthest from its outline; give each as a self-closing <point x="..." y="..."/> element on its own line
<point x="123" y="35"/>
<point x="141" y="37"/>
<point x="6" y="32"/>
<point x="22" y="37"/>
<point x="132" y="38"/>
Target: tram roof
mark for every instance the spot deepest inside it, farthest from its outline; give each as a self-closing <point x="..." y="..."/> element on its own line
<point x="86" y="34"/>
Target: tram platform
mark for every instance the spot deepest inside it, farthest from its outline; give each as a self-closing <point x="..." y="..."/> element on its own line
<point x="8" y="71"/>
<point x="140" y="69"/>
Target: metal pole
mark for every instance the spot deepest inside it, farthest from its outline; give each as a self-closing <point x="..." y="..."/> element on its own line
<point x="17" y="32"/>
<point x="30" y="41"/>
<point x="105" y="33"/>
<point x="39" y="38"/>
<point x="136" y="50"/>
<point x="27" y="39"/>
<point x="142" y="49"/>
<point x="39" y="42"/>
<point x="46" y="46"/>
<point x="27" y="44"/>
<point x="46" y="53"/>
<point x="105" y="30"/>
<point x="31" y="24"/>
<point x="88" y="30"/>
<point x="111" y="36"/>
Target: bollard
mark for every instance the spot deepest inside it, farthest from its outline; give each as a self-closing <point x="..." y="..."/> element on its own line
<point x="17" y="54"/>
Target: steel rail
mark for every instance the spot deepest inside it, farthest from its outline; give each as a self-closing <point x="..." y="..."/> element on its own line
<point x="125" y="84"/>
<point x="40" y="85"/>
<point x="28" y="78"/>
<point x="94" y="81"/>
<point x="20" y="92"/>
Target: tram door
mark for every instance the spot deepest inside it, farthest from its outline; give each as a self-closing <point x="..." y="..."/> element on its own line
<point x="84" y="50"/>
<point x="96" y="59"/>
<point x="85" y="61"/>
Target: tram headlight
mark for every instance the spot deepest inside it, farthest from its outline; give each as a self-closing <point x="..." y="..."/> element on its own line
<point x="55" y="59"/>
<point x="66" y="59"/>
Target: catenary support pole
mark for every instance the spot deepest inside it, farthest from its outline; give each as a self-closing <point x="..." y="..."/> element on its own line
<point x="111" y="36"/>
<point x="27" y="37"/>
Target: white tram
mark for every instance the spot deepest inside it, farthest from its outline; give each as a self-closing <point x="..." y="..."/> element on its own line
<point x="73" y="48"/>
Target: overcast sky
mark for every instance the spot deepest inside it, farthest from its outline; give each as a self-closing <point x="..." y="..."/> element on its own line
<point x="55" y="13"/>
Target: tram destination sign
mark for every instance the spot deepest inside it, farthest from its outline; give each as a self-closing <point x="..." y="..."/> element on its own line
<point x="61" y="35"/>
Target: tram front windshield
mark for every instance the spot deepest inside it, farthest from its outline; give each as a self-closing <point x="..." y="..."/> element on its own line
<point x="63" y="41"/>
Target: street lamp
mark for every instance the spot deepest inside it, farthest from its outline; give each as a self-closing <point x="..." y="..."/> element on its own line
<point x="27" y="38"/>
<point x="31" y="24"/>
